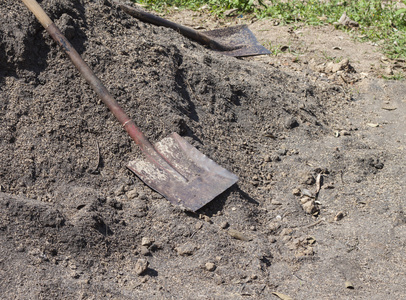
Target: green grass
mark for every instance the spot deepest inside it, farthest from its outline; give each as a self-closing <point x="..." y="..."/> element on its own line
<point x="380" y="21"/>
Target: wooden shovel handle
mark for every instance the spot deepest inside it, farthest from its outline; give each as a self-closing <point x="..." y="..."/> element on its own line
<point x="37" y="10"/>
<point x="132" y="130"/>
<point x="186" y="31"/>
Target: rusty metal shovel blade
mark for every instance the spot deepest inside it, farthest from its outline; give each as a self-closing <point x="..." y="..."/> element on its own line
<point x="193" y="179"/>
<point x="237" y="41"/>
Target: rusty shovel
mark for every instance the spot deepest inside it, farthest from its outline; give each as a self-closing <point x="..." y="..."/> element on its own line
<point x="237" y="41"/>
<point x="172" y="167"/>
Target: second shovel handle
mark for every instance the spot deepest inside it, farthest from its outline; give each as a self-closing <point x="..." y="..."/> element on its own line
<point x="186" y="31"/>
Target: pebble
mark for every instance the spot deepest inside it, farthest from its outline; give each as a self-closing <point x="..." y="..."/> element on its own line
<point x="291" y="123"/>
<point x="349" y="285"/>
<point x="141" y="266"/>
<point x="345" y="133"/>
<point x="207" y="219"/>
<point x="238" y="235"/>
<point x="275" y="202"/>
<point x="306" y="192"/>
<point x="310" y="207"/>
<point x="305" y="199"/>
<point x="218" y="279"/>
<point x="186" y="249"/>
<point x="224" y="225"/>
<point x="282" y="151"/>
<point x="339" y="216"/>
<point x="274" y="226"/>
<point x="210" y="266"/>
<point x="132" y="194"/>
<point x="296" y="192"/>
<point x="20" y="248"/>
<point x="308" y="179"/>
<point x="144" y="251"/>
<point x="146" y="241"/>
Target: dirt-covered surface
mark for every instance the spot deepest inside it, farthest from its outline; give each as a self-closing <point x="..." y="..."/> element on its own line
<point x="76" y="224"/>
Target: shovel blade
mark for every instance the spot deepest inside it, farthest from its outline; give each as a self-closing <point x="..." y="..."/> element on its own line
<point x="193" y="180"/>
<point x="240" y="39"/>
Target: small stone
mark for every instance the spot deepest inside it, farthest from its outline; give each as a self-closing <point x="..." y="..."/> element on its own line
<point x="267" y="158"/>
<point x="282" y="151"/>
<point x="274" y="226"/>
<point x="339" y="216"/>
<point x="310" y="207"/>
<point x="75" y="275"/>
<point x="348" y="284"/>
<point x="20" y="248"/>
<point x="210" y="266"/>
<point x="307" y="193"/>
<point x="218" y="279"/>
<point x="141" y="266"/>
<point x="329" y="186"/>
<point x="238" y="235"/>
<point x="272" y="239"/>
<point x="305" y="199"/>
<point x="308" y="179"/>
<point x="146" y="241"/>
<point x="207" y="219"/>
<point x="275" y="202"/>
<point x="186" y="249"/>
<point x="224" y="225"/>
<point x="144" y="251"/>
<point x="198" y="225"/>
<point x="291" y="123"/>
<point x="132" y="194"/>
<point x="296" y="192"/>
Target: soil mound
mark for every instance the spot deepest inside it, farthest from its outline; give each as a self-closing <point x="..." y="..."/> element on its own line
<point x="75" y="222"/>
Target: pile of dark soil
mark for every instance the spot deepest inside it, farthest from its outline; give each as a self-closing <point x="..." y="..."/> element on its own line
<point x="76" y="224"/>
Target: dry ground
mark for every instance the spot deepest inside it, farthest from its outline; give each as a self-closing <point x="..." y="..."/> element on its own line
<point x="76" y="224"/>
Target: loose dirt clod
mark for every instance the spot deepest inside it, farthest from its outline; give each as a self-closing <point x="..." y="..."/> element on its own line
<point x="141" y="266"/>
